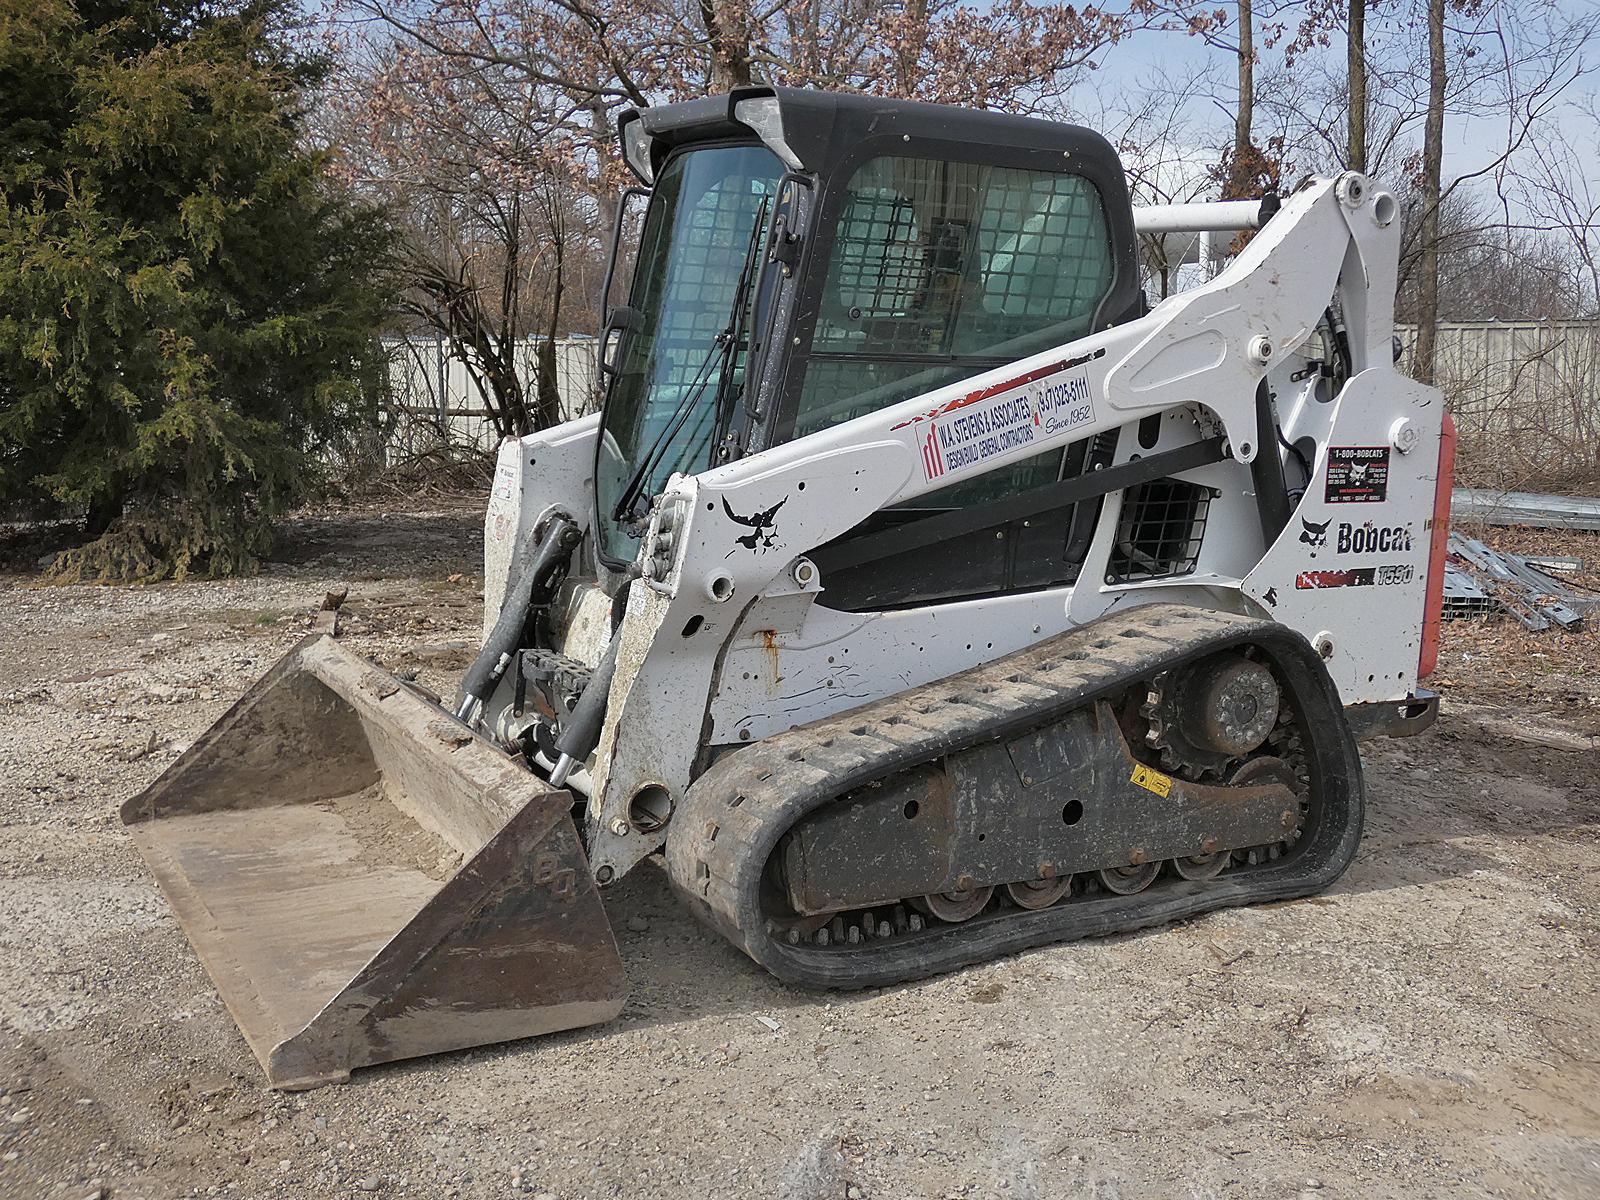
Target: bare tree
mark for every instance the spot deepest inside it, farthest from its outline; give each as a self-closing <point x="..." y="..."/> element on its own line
<point x="1356" y="74"/>
<point x="1428" y="198"/>
<point x="1248" y="165"/>
<point x="1501" y="67"/>
<point x="1555" y="189"/>
<point x="488" y="127"/>
<point x="485" y="178"/>
<point x="1239" y="180"/>
<point x="1167" y="154"/>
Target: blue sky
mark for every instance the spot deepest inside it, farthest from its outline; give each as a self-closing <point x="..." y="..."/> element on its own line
<point x="1129" y="68"/>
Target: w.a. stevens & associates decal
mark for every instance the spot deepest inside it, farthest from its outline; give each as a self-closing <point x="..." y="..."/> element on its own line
<point x="1014" y="413"/>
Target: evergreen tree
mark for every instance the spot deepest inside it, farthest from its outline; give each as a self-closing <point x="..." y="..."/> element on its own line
<point x="188" y="304"/>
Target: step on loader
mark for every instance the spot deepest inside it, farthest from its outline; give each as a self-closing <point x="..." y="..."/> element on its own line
<point x="921" y="593"/>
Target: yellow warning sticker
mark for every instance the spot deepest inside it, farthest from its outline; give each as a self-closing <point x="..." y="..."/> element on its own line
<point x="1152" y="781"/>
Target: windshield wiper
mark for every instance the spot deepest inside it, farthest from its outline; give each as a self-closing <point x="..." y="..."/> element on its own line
<point x="742" y="304"/>
<point x="624" y="509"/>
<point x="723" y="351"/>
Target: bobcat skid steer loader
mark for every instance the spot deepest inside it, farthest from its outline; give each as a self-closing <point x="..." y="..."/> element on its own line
<point x="921" y="592"/>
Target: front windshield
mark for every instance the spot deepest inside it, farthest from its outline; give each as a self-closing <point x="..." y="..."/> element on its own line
<point x="692" y="252"/>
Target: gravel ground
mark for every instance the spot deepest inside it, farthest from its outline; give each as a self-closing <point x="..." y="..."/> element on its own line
<point x="1425" y="1028"/>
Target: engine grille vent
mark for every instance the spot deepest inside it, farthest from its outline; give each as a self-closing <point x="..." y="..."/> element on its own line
<point x="1159" y="531"/>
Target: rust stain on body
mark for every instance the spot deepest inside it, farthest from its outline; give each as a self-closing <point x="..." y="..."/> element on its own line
<point x="769" y="643"/>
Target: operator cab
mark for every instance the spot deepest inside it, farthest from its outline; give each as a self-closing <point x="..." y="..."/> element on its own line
<point x="806" y="258"/>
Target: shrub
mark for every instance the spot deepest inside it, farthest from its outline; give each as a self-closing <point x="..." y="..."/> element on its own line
<point x="188" y="305"/>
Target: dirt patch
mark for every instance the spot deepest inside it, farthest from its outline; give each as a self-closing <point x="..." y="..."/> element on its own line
<point x="1425" y="1028"/>
<point x="388" y="837"/>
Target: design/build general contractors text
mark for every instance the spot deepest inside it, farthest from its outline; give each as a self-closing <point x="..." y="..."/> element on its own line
<point x="993" y="421"/>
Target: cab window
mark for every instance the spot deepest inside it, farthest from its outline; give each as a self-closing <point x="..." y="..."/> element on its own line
<point x="937" y="271"/>
<point x="941" y="269"/>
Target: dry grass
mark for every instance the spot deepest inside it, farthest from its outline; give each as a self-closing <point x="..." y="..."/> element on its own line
<point x="1499" y="661"/>
<point x="1551" y="462"/>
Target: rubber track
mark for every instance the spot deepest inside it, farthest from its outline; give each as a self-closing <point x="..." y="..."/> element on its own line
<point x="734" y="816"/>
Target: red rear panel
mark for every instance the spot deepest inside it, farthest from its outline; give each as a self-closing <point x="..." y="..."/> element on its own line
<point x="1433" y="606"/>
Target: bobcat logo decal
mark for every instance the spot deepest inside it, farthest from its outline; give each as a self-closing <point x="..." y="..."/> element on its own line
<point x="762" y="525"/>
<point x="1315" y="535"/>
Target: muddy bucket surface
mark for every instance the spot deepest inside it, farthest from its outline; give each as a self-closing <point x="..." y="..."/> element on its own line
<point x="366" y="880"/>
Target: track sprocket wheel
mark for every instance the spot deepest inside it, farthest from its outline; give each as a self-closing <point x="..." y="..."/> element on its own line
<point x="1203" y="718"/>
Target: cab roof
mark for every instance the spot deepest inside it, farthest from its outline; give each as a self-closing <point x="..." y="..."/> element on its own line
<point x="811" y="130"/>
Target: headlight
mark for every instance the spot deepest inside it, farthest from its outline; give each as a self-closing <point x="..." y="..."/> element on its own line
<point x="661" y="541"/>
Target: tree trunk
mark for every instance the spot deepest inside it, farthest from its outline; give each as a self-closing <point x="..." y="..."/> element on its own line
<point x="1356" y="151"/>
<point x="909" y="52"/>
<point x="547" y="411"/>
<point x="1239" y="183"/>
<point x="727" y="25"/>
<point x="104" y="511"/>
<point x="508" y="388"/>
<point x="605" y="142"/>
<point x="1432" y="156"/>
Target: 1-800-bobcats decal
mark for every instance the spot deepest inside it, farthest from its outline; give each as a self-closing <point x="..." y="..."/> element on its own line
<point x="1357" y="475"/>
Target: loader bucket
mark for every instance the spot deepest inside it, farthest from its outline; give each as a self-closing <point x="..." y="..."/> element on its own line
<point x="365" y="880"/>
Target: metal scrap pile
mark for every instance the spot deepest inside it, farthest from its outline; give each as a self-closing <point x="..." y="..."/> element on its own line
<point x="1480" y="581"/>
<point x="1532" y="509"/>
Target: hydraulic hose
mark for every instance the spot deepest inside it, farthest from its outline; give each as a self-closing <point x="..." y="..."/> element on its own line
<point x="530" y="580"/>
<point x="1266" y="469"/>
<point x="581" y="734"/>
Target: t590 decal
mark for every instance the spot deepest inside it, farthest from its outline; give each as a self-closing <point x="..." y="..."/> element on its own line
<point x="1384" y="576"/>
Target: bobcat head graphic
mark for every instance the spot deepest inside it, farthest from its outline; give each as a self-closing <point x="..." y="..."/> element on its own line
<point x="1315" y="535"/>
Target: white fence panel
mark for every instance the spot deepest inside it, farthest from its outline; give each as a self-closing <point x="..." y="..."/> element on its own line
<point x="1525" y="394"/>
<point x="1534" y="386"/>
<point x="1513" y="376"/>
<point x="436" y="399"/>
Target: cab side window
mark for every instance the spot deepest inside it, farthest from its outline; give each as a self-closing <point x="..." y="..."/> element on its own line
<point x="939" y="270"/>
